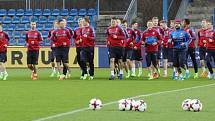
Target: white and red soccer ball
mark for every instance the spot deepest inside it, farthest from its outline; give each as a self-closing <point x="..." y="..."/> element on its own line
<point x="130" y="104"/>
<point x="192" y="105"/>
<point x="95" y="104"/>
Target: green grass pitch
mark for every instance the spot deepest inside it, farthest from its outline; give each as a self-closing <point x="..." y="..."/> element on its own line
<point x="22" y="99"/>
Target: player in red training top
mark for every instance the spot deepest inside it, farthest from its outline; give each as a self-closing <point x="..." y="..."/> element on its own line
<point x="79" y="44"/>
<point x="3" y="53"/>
<point x="210" y="34"/>
<point x="202" y="47"/>
<point x="137" y="50"/>
<point x="128" y="45"/>
<point x="87" y="52"/>
<point x="167" y="47"/>
<point x="191" y="46"/>
<point x="151" y="39"/>
<point x="115" y="40"/>
<point x="33" y="39"/>
<point x="52" y="46"/>
<point x="61" y="37"/>
<point x="68" y="74"/>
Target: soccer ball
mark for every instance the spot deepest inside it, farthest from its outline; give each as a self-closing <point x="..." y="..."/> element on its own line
<point x="126" y="104"/>
<point x="196" y="105"/>
<point x="95" y="104"/>
<point x="140" y="105"/>
<point x="186" y="105"/>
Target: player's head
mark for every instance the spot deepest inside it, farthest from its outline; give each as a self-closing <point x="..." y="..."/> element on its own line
<point x="1" y="27"/>
<point x="61" y="23"/>
<point x="209" y="25"/>
<point x="177" y="24"/>
<point x="80" y="22"/>
<point x="163" y="24"/>
<point x="134" y="24"/>
<point x="119" y="21"/>
<point x="124" y="24"/>
<point x="113" y="21"/>
<point x="155" y="21"/>
<point x="55" y="24"/>
<point x="204" y="23"/>
<point x="33" y="25"/>
<point x="186" y="22"/>
<point x="86" y="21"/>
<point x="65" y="22"/>
<point x="172" y="23"/>
<point x="150" y="24"/>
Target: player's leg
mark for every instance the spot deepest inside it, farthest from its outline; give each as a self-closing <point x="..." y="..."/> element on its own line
<point x="165" y="61"/>
<point x="52" y="58"/>
<point x="65" y="61"/>
<point x="91" y="62"/>
<point x="35" y="55"/>
<point x="195" y="65"/>
<point x="3" y="59"/>
<point x="183" y="64"/>
<point x="78" y="50"/>
<point x="119" y="56"/>
<point x="154" y="64"/>
<point x="129" y="62"/>
<point x="58" y="57"/>
<point x="210" y="68"/>
<point x="84" y="62"/>
<point x="175" y="65"/>
<point x="139" y="62"/>
<point x="202" y="54"/>
<point x="133" y="69"/>
<point x="124" y="60"/>
<point x="112" y="63"/>
<point x="148" y="63"/>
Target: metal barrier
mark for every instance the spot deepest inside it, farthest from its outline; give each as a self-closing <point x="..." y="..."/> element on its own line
<point x="131" y="12"/>
<point x="182" y="9"/>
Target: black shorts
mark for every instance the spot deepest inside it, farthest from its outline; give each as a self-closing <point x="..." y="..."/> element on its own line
<point x="179" y="57"/>
<point x="168" y="54"/>
<point x="62" y="54"/>
<point x="202" y="53"/>
<point x="87" y="54"/>
<point x="116" y="52"/>
<point x="127" y="54"/>
<point x="32" y="57"/>
<point x="137" y="55"/>
<point x="151" y="58"/>
<point x="52" y="54"/>
<point x="3" y="57"/>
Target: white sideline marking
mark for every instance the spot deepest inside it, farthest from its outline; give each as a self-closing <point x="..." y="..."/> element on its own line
<point x="110" y="103"/>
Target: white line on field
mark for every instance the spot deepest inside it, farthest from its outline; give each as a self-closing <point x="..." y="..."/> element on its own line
<point x="110" y="103"/>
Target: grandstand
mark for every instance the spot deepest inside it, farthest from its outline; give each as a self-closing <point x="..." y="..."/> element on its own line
<point x="16" y="15"/>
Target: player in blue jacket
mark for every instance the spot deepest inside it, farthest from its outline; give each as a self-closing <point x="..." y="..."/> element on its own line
<point x="180" y="39"/>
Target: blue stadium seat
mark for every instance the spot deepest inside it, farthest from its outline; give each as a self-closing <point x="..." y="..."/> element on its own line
<point x="74" y="24"/>
<point x="27" y="27"/>
<point x="21" y="42"/>
<point x="25" y="19"/>
<point x="59" y="17"/>
<point x="5" y="27"/>
<point x="45" y="34"/>
<point x="11" y="12"/>
<point x="16" y="34"/>
<point x="82" y="12"/>
<point x="39" y="27"/>
<point x="74" y="12"/>
<point x="56" y="12"/>
<point x="15" y="20"/>
<point x="48" y="27"/>
<point x="1" y="19"/>
<point x="12" y="42"/>
<point x="42" y="19"/>
<point x="20" y="12"/>
<point x="46" y="12"/>
<point x="46" y="42"/>
<point x="38" y="12"/>
<point x="70" y="19"/>
<point x="3" y="12"/>
<point x="51" y="19"/>
<point x="20" y="27"/>
<point x="34" y="18"/>
<point x="10" y="34"/>
<point x="23" y="35"/>
<point x="11" y="27"/>
<point x="69" y="24"/>
<point x="29" y="12"/>
<point x="7" y="20"/>
<point x="64" y="12"/>
<point x="91" y="12"/>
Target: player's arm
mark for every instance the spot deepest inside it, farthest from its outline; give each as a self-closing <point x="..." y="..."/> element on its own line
<point x="91" y="35"/>
<point x="121" y="35"/>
